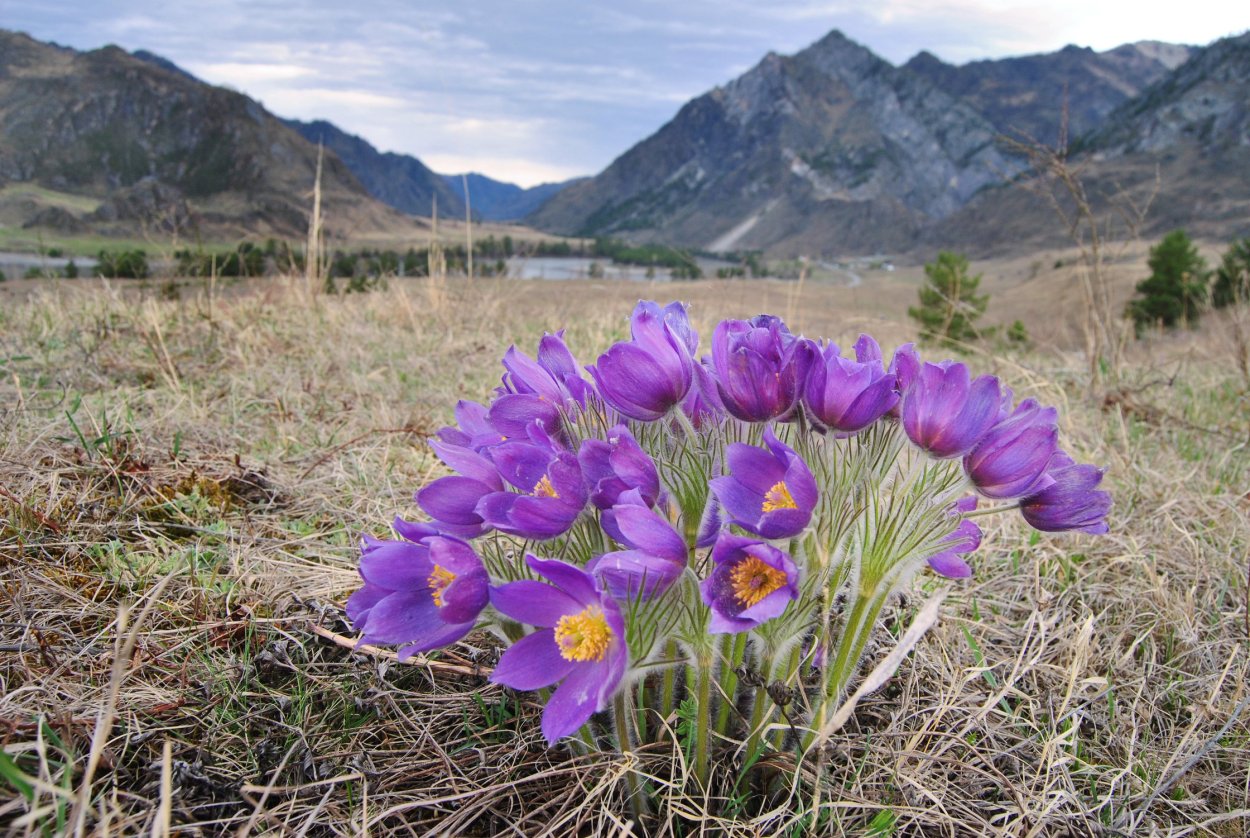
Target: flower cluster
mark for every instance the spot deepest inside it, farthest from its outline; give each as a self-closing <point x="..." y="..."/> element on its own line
<point x="668" y="506"/>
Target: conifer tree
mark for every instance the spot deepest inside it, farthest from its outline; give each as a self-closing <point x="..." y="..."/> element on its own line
<point x="949" y="304"/>
<point x="1232" y="278"/>
<point x="1176" y="287"/>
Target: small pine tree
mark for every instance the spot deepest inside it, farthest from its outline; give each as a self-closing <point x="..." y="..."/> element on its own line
<point x="1232" y="278"/>
<point x="1176" y="287"/>
<point x="949" y="304"/>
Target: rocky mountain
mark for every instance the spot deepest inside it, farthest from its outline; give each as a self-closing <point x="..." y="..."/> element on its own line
<point x="1181" y="148"/>
<point x="495" y="200"/>
<point x="399" y="180"/>
<point x="1206" y="102"/>
<point x="831" y="149"/>
<point x="136" y="137"/>
<point x="1026" y="96"/>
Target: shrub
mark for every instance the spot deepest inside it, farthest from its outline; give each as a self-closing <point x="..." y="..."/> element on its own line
<point x="949" y="304"/>
<point x="1176" y="287"/>
<point x="1232" y="278"/>
<point x="123" y="264"/>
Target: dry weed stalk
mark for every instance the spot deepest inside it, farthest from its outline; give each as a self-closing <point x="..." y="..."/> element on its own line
<point x="1092" y="230"/>
<point x="314" y="260"/>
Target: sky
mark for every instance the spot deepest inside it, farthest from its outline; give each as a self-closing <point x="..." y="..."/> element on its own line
<point x="531" y="91"/>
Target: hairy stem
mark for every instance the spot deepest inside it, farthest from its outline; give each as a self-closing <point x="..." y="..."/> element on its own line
<point x="734" y="649"/>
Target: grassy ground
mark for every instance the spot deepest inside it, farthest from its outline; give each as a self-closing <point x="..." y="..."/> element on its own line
<point x="182" y="483"/>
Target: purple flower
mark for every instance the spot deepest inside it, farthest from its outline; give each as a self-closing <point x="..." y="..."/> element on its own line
<point x="422" y="595"/>
<point x="553" y="377"/>
<point x="1011" y="460"/>
<point x="616" y="465"/>
<point x="452" y="501"/>
<point x="751" y="582"/>
<point x="966" y="538"/>
<point x="770" y="493"/>
<point x="656" y="557"/>
<point x="580" y="643"/>
<point x="472" y="429"/>
<point x="904" y="367"/>
<point x="848" y="396"/>
<point x="1071" y="502"/>
<point x="944" y="414"/>
<point x="650" y="374"/>
<point x="703" y="403"/>
<point x="759" y="368"/>
<point x="552" y="491"/>
<point x="513" y="414"/>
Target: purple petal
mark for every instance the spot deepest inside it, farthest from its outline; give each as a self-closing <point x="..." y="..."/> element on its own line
<point x="403" y="617"/>
<point x="950" y="565"/>
<point x="533" y="603"/>
<point x="397" y="566"/>
<point x="573" y="702"/>
<point x="450" y="633"/>
<point x="454" y="499"/>
<point x="574" y="581"/>
<point x="754" y="468"/>
<point x="646" y="530"/>
<point x="532" y="662"/>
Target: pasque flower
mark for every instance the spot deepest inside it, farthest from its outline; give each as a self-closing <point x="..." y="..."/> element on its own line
<point x="580" y="643"/>
<point x="615" y="465"/>
<point x="759" y="368"/>
<point x="1072" y="502"/>
<point x="420" y="595"/>
<point x="651" y="374"/>
<point x="452" y="501"/>
<point x="1011" y="459"/>
<point x="845" y="395"/>
<point x="751" y="582"/>
<point x="966" y="538"/>
<point x="552" y="492"/>
<point x="656" y="554"/>
<point x="945" y="414"/>
<point x="770" y="493"/>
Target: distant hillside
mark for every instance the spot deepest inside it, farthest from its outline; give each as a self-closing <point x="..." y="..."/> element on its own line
<point x="495" y="200"/>
<point x="1026" y="96"/>
<point x="1206" y="101"/>
<point x="155" y="148"/>
<point x="829" y="150"/>
<point x="1185" y="141"/>
<point x="399" y="180"/>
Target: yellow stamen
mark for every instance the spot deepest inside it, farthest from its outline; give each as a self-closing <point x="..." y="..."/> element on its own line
<point x="583" y="636"/>
<point x="778" y="497"/>
<point x="439" y="579"/>
<point x="752" y="580"/>
<point x="544" y="489"/>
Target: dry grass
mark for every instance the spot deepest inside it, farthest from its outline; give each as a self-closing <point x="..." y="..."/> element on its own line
<point x="182" y="483"/>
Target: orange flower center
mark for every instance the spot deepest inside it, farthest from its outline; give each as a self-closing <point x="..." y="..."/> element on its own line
<point x="778" y="497"/>
<point x="752" y="580"/>
<point x="583" y="636"/>
<point x="439" y="579"/>
<point x="544" y="489"/>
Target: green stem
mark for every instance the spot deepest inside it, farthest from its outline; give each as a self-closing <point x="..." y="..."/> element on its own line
<point x="756" y="732"/>
<point x="852" y="640"/>
<point x="641" y="713"/>
<point x="669" y="687"/>
<point x="620" y="712"/>
<point x="735" y="648"/>
<point x="851" y="643"/>
<point x="703" y="724"/>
